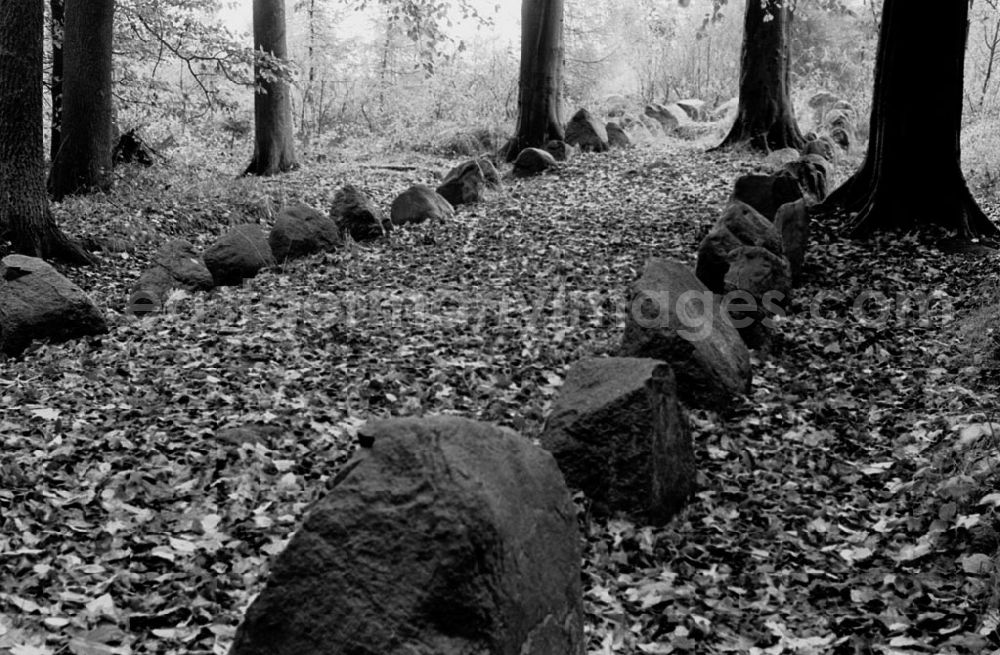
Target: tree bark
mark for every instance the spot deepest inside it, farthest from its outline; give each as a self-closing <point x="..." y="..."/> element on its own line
<point x="83" y="161"/>
<point x="274" y="143"/>
<point x="58" y="21"/>
<point x="912" y="176"/>
<point x="25" y="219"/>
<point x="540" y="87"/>
<point x="765" y="120"/>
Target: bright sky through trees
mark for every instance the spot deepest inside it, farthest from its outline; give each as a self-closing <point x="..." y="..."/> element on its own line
<point x="505" y="15"/>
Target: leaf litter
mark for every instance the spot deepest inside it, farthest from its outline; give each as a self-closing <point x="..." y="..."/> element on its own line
<point x="848" y="505"/>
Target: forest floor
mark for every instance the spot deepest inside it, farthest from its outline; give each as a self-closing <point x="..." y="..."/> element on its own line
<point x="848" y="505"/>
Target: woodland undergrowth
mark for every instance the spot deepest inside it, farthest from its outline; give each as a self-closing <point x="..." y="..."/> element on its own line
<point x="848" y="505"/>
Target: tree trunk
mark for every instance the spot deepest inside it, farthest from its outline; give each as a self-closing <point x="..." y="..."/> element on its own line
<point x="83" y="161"/>
<point x="540" y="87"/>
<point x="765" y="120"/>
<point x="274" y="144"/>
<point x="58" y="21"/>
<point x="912" y="175"/>
<point x="25" y="219"/>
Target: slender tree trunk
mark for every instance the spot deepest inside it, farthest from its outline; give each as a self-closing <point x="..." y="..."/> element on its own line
<point x="25" y="219"/>
<point x="83" y="161"/>
<point x="540" y="88"/>
<point x="274" y="143"/>
<point x="765" y="120"/>
<point x="912" y="175"/>
<point x="56" y="32"/>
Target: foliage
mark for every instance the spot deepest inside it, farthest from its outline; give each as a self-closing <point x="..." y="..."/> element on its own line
<point x="172" y="58"/>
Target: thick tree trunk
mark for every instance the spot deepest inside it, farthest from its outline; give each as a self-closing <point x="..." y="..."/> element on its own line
<point x="912" y="175"/>
<point x="58" y="20"/>
<point x="540" y="88"/>
<point x="25" y="219"/>
<point x="83" y="161"/>
<point x="765" y="120"/>
<point x="274" y="144"/>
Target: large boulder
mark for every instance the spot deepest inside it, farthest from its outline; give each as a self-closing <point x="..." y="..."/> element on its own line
<point x="586" y="132"/>
<point x="617" y="137"/>
<point x="38" y="303"/>
<point x="444" y="537"/>
<point x="355" y="213"/>
<point x="238" y="254"/>
<point x="532" y="161"/>
<point x="792" y="223"/>
<point x="300" y="231"/>
<point x="739" y="225"/>
<point x="671" y="315"/>
<point x="619" y="436"/>
<point x="671" y="117"/>
<point x="467" y="183"/>
<point x="766" y="193"/>
<point x="419" y="203"/>
<point x="176" y="265"/>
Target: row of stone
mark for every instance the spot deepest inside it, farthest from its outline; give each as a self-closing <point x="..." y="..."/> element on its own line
<point x="300" y="230"/>
<point x="617" y="427"/>
<point x="38" y="303"/>
<point x="587" y="134"/>
<point x="448" y="536"/>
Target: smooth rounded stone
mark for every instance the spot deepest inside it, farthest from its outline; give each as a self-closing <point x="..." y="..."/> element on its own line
<point x="532" y="161"/>
<point x="766" y="193"/>
<point x="239" y="254"/>
<point x="739" y="225"/>
<point x="617" y="137"/>
<point x="586" y="132"/>
<point x="618" y="434"/>
<point x="467" y="183"/>
<point x="792" y="223"/>
<point x="672" y="316"/>
<point x="442" y="536"/>
<point x="418" y="204"/>
<point x="176" y="265"/>
<point x="300" y="231"/>
<point x="355" y="213"/>
<point x="670" y="116"/>
<point x="37" y="303"/>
